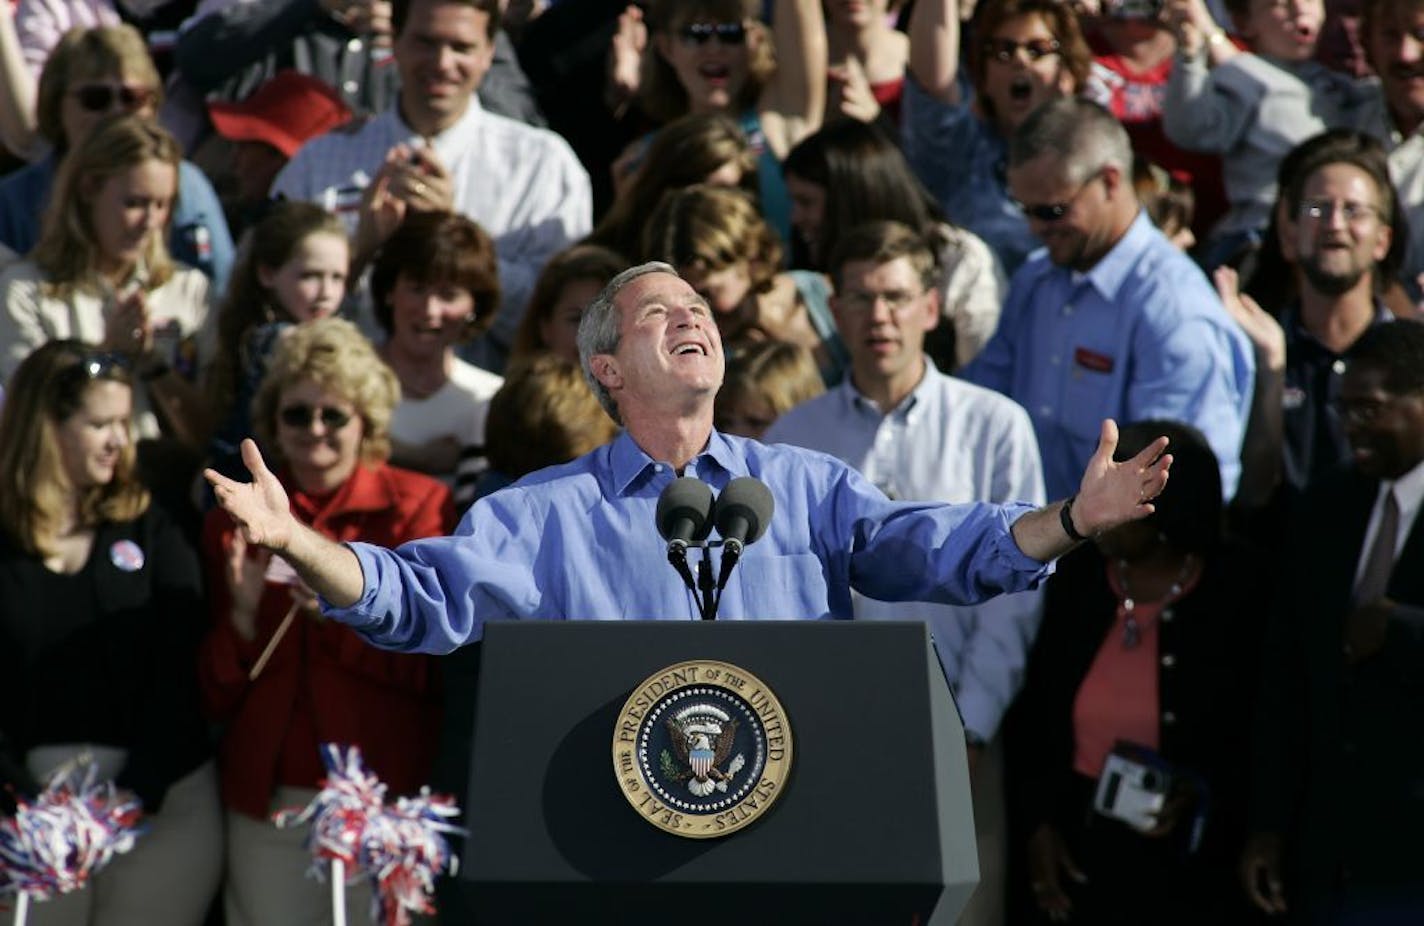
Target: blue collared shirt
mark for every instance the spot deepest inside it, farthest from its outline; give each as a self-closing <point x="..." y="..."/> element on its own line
<point x="963" y="161"/>
<point x="579" y="542"/>
<point x="1141" y="335"/>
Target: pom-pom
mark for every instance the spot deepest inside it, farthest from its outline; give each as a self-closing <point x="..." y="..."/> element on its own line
<point x="56" y="843"/>
<point x="401" y="848"/>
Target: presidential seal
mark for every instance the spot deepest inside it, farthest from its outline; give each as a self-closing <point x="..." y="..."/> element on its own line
<point x="702" y="749"/>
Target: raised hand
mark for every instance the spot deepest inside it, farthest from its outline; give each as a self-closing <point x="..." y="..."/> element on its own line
<point x="1266" y="334"/>
<point x="260" y="507"/>
<point x="625" y="57"/>
<point x="1113" y="493"/>
<point x="851" y="94"/>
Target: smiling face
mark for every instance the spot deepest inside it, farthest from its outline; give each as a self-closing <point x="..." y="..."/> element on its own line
<point x="1395" y="47"/>
<point x="883" y="312"/>
<point x="1033" y="73"/>
<point x="1287" y="30"/>
<point x="711" y="67"/>
<point x="92" y="439"/>
<point x="1334" y="249"/>
<point x="128" y="208"/>
<point x="1087" y="228"/>
<point x="1385" y="430"/>
<point x="442" y="52"/>
<point x="428" y="319"/>
<point x="669" y="358"/>
<point x="559" y="330"/>
<point x="322" y="455"/>
<point x="312" y="283"/>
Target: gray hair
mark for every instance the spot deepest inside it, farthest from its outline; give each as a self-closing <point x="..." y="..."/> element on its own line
<point x="600" y="329"/>
<point x="1082" y="135"/>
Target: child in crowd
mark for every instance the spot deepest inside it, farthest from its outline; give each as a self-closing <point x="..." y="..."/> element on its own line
<point x="293" y="271"/>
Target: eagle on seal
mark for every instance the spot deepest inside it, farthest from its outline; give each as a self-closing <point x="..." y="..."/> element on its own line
<point x="702" y="736"/>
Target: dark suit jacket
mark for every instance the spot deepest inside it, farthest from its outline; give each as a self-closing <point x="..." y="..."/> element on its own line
<point x="1339" y="768"/>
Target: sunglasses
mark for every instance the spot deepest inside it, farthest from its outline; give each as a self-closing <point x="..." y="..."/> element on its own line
<point x="302" y="416"/>
<point x="1007" y="50"/>
<point x="702" y="33"/>
<point x="1053" y="212"/>
<point x="98" y="98"/>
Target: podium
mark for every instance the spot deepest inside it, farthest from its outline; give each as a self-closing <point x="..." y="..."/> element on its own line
<point x="874" y="824"/>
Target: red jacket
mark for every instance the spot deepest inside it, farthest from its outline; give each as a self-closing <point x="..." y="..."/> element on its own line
<point x="323" y="683"/>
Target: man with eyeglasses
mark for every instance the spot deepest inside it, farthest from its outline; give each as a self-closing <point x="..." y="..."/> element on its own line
<point x="1337" y="224"/>
<point x="1338" y="772"/>
<point x="923" y="436"/>
<point x="437" y="149"/>
<point x="1109" y="319"/>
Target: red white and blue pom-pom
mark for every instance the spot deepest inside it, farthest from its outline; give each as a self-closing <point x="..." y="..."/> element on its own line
<point x="401" y="848"/>
<point x="72" y="829"/>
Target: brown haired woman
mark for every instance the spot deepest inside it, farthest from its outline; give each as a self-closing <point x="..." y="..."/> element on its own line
<point x="99" y="602"/>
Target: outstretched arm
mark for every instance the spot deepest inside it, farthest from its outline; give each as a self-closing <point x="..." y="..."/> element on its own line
<point x="1110" y="494"/>
<point x="264" y="516"/>
<point x="934" y="48"/>
<point x="793" y="104"/>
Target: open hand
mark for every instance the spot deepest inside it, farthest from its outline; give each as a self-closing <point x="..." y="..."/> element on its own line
<point x="625" y="56"/>
<point x="1266" y="334"/>
<point x="260" y="507"/>
<point x="1113" y="493"/>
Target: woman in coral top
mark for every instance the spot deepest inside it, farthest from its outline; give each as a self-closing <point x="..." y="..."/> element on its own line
<point x="323" y="412"/>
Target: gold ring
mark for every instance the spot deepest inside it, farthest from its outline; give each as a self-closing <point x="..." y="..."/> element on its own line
<point x="419" y="188"/>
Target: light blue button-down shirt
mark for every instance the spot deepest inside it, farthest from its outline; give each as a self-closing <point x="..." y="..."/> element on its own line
<point x="1141" y="335"/>
<point x="948" y="441"/>
<point x="579" y="542"/>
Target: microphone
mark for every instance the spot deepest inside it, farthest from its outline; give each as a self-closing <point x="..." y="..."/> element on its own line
<point x="684" y="511"/>
<point x="684" y="517"/>
<point x="742" y="514"/>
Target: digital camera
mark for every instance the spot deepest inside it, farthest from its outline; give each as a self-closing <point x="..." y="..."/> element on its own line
<point x="1133" y="786"/>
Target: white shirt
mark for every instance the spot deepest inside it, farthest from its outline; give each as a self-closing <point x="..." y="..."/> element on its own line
<point x="947" y="441"/>
<point x="184" y="329"/>
<point x="457" y="409"/>
<point x="1409" y="496"/>
<point x="523" y="185"/>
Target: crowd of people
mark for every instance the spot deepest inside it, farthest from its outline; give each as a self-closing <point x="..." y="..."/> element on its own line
<point x="301" y="300"/>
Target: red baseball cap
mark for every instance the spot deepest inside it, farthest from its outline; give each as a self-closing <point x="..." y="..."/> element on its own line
<point x="285" y="112"/>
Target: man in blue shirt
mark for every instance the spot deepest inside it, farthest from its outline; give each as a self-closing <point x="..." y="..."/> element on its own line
<point x="1109" y="320"/>
<point x="578" y="541"/>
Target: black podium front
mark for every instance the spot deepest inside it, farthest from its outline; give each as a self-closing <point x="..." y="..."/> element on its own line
<point x="874" y="824"/>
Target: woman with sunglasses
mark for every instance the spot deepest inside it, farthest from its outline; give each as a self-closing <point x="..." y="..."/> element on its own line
<point x="91" y="75"/>
<point x="1022" y="53"/>
<point x="101" y="273"/>
<point x="100" y="597"/>
<point x="706" y="56"/>
<point x="278" y="679"/>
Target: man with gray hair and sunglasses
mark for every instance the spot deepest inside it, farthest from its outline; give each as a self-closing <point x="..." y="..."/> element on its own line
<point x="1109" y="319"/>
<point x="578" y="541"/>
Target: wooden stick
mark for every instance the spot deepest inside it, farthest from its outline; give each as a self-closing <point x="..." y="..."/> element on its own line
<point x="338" y="892"/>
<point x="272" y="643"/>
<point x="22" y="908"/>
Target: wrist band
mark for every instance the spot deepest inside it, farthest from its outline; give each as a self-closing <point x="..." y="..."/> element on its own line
<point x="1065" y="516"/>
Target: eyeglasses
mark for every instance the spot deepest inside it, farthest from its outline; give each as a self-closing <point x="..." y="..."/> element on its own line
<point x="98" y="98"/>
<point x="701" y="33"/>
<point x="1053" y="212"/>
<point x="93" y="365"/>
<point x="858" y="302"/>
<point x="1325" y="210"/>
<point x="302" y="416"/>
<point x="1006" y="50"/>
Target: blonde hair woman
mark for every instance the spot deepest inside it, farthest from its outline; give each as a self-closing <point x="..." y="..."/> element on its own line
<point x="323" y="415"/>
<point x="101" y="273"/>
<point x="725" y="250"/>
<point x="99" y="597"/>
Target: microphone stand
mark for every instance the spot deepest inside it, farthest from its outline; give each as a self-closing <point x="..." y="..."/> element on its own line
<point x="677" y="555"/>
<point x="708" y="605"/>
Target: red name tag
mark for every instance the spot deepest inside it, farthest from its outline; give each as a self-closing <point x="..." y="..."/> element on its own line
<point x="1088" y="360"/>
